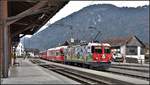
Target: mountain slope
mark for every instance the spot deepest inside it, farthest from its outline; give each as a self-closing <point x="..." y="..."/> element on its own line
<point x="84" y="25"/>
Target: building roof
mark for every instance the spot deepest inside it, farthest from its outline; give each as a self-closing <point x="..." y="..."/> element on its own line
<point x="147" y="45"/>
<point x="124" y="40"/>
<point x="76" y="42"/>
<point x="31" y="50"/>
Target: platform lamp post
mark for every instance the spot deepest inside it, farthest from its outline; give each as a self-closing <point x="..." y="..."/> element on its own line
<point x="71" y="28"/>
<point x="92" y="28"/>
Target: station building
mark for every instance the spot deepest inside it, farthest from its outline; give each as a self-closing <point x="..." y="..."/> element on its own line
<point x="130" y="48"/>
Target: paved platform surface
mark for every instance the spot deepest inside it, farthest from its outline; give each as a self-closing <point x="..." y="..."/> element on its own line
<point x="28" y="73"/>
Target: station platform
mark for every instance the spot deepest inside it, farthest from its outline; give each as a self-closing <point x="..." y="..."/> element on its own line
<point x="28" y="73"/>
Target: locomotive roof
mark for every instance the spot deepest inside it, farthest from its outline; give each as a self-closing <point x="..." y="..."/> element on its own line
<point x="42" y="51"/>
<point x="98" y="44"/>
<point x="56" y="48"/>
<point x="61" y="47"/>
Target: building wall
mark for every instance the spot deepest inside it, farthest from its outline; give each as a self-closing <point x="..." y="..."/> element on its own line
<point x="123" y="50"/>
<point x="19" y="50"/>
<point x="139" y="56"/>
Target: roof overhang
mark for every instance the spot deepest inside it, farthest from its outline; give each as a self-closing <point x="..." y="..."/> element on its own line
<point x="28" y="16"/>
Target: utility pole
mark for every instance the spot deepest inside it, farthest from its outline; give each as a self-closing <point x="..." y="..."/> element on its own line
<point x="4" y="33"/>
<point x="98" y="32"/>
<point x="97" y="35"/>
<point x="72" y="39"/>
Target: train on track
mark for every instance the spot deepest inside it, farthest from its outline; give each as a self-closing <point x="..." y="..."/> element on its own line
<point x="91" y="55"/>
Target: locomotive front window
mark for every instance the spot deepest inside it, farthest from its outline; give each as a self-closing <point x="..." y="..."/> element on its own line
<point x="107" y="50"/>
<point x="98" y="49"/>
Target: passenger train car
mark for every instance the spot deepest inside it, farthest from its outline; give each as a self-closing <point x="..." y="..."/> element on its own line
<point x="54" y="54"/>
<point x="90" y="55"/>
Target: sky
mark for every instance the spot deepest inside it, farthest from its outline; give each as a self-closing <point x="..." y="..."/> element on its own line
<point x="74" y="6"/>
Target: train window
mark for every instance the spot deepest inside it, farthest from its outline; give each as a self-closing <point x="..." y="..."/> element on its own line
<point x="107" y="50"/>
<point x="142" y="50"/>
<point x="62" y="53"/>
<point x="57" y="54"/>
<point x="98" y="49"/>
<point x="92" y="49"/>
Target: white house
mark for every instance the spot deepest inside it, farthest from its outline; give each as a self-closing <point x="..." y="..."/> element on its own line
<point x="147" y="52"/>
<point x="127" y="47"/>
<point x="32" y="52"/>
<point x="20" y="50"/>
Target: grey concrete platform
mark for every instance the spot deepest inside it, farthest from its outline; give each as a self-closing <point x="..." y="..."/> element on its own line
<point x="28" y="73"/>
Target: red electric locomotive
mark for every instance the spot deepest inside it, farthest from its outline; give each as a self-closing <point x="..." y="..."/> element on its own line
<point x="92" y="55"/>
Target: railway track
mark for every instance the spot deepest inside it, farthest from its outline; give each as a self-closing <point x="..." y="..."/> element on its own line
<point x="126" y="71"/>
<point x="82" y="77"/>
<point x="36" y="61"/>
<point x="133" y="71"/>
<point x="130" y="65"/>
<point x="138" y="72"/>
<point x="133" y="68"/>
<point x="133" y="74"/>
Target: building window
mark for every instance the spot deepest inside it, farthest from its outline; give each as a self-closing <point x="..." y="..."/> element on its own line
<point x="131" y="50"/>
<point x="142" y="51"/>
<point x="107" y="50"/>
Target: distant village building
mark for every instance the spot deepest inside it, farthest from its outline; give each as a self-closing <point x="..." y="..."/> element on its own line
<point x="20" y="50"/>
<point x="73" y="42"/>
<point x="127" y="47"/>
<point x="31" y="52"/>
<point x="147" y="52"/>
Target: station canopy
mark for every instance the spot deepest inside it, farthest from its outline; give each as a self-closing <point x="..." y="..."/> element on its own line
<point x="27" y="16"/>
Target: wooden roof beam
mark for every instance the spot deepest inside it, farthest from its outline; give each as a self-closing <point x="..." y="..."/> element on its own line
<point x="32" y="1"/>
<point x="18" y="23"/>
<point x="20" y="31"/>
<point x="33" y="10"/>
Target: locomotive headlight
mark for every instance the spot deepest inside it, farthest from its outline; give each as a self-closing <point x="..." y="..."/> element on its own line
<point x="96" y="58"/>
<point x="103" y="56"/>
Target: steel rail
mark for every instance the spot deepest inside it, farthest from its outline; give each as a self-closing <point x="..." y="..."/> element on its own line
<point x="141" y="69"/>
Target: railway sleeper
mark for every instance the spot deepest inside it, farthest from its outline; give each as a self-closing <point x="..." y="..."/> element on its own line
<point x="90" y="78"/>
<point x="98" y="78"/>
<point x="77" y="78"/>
